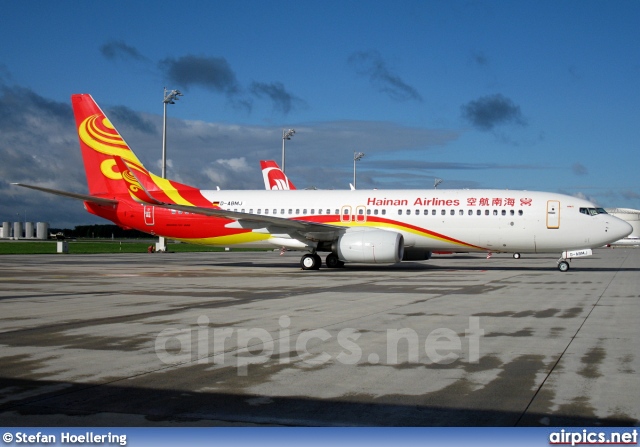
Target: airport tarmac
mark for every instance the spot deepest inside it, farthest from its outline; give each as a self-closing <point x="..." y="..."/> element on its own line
<point x="200" y="339"/>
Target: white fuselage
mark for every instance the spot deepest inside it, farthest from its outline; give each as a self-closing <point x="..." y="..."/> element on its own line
<point x="458" y="220"/>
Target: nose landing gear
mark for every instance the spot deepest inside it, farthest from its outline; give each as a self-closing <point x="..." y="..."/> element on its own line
<point x="563" y="266"/>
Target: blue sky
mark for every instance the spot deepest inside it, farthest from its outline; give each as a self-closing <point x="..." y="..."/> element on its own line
<point x="537" y="95"/>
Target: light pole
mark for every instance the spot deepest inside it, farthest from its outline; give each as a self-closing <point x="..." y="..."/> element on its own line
<point x="356" y="156"/>
<point x="170" y="97"/>
<point x="286" y="135"/>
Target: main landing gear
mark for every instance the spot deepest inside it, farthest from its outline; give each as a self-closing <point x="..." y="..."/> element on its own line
<point x="333" y="262"/>
<point x="312" y="261"/>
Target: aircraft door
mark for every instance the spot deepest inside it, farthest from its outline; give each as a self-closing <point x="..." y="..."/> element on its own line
<point x="149" y="215"/>
<point x="553" y="214"/>
<point x="361" y="213"/>
<point x="345" y="214"/>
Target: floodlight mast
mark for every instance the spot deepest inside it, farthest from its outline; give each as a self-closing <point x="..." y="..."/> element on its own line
<point x="356" y="157"/>
<point x="286" y="135"/>
<point x="170" y="97"/>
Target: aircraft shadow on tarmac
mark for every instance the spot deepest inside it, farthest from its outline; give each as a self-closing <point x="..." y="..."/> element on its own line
<point x="90" y="403"/>
<point x="421" y="266"/>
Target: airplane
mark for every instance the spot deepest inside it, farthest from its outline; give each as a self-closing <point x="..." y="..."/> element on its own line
<point x="356" y="226"/>
<point x="274" y="177"/>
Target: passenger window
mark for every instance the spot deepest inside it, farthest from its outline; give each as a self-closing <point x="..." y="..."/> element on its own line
<point x="290" y="211"/>
<point x="329" y="211"/>
<point x="470" y="212"/>
<point x="399" y="212"/>
<point x="443" y="212"/>
<point x="433" y="212"/>
<point x="461" y="212"/>
<point x="266" y="211"/>
<point x="504" y="212"/>
<point x="520" y="213"/>
<point x="384" y="212"/>
<point x="375" y="212"/>
<point x="368" y="212"/>
<point x="408" y="212"/>
<point x="297" y="210"/>
<point x="495" y="212"/>
<point x="486" y="212"/>
<point x="319" y="210"/>
<point x="511" y="212"/>
<point x="453" y="212"/>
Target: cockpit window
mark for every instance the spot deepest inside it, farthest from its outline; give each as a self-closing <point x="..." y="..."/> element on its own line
<point x="592" y="211"/>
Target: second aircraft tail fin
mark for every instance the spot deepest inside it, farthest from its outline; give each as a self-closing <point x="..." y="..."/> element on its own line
<point x="274" y="177"/>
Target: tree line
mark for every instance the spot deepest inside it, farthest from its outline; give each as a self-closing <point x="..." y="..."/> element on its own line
<point x="100" y="232"/>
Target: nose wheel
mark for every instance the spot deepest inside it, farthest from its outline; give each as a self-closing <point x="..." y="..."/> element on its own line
<point x="563" y="266"/>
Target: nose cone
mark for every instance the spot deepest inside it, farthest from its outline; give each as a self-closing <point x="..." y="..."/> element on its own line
<point x="619" y="228"/>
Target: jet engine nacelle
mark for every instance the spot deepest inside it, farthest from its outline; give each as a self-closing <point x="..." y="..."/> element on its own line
<point x="369" y="246"/>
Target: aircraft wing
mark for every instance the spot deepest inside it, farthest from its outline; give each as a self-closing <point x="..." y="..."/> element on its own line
<point x="275" y="225"/>
<point x="84" y="197"/>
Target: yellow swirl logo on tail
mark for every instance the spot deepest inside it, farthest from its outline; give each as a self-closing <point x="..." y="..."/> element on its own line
<point x="98" y="133"/>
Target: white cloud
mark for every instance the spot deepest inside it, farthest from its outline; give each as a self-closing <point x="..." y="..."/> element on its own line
<point x="235" y="164"/>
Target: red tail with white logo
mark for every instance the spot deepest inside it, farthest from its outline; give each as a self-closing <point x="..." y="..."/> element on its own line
<point x="273" y="176"/>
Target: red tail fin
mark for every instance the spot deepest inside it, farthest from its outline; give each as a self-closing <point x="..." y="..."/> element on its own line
<point x="167" y="191"/>
<point x="99" y="143"/>
<point x="273" y="176"/>
<point x="106" y="156"/>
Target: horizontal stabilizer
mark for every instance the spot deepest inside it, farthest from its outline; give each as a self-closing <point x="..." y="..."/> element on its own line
<point x="85" y="197"/>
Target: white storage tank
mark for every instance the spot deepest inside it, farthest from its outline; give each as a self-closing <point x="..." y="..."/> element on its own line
<point x="6" y="229"/>
<point x="42" y="230"/>
<point x="28" y="230"/>
<point x="17" y="230"/>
